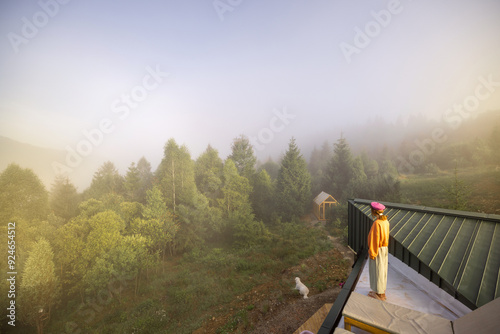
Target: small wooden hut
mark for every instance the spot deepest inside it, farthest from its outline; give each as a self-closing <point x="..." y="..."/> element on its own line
<point x="321" y="204"/>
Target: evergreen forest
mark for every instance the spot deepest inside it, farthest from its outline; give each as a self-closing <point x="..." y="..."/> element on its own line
<point x="157" y="250"/>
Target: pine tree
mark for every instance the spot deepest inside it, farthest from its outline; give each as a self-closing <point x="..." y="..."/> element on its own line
<point x="318" y="165"/>
<point x="146" y="179"/>
<point x="243" y="157"/>
<point x="263" y="196"/>
<point x="370" y="166"/>
<point x="107" y="180"/>
<point x="458" y="192"/>
<point x="340" y="169"/>
<point x="208" y="174"/>
<point x="132" y="183"/>
<point x="64" y="198"/>
<point x="138" y="180"/>
<point x="386" y="166"/>
<point x="236" y="191"/>
<point x="239" y="219"/>
<point x="272" y="168"/>
<point x="320" y="158"/>
<point x="293" y="188"/>
<point x="358" y="184"/>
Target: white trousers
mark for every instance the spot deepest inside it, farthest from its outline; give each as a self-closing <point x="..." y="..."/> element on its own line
<point x="378" y="270"/>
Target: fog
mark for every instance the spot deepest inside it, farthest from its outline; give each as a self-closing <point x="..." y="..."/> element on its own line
<point x="101" y="81"/>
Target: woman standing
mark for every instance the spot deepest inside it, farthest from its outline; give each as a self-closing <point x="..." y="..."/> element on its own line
<point x="378" y="241"/>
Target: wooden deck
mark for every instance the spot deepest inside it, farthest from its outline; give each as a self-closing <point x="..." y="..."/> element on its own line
<point x="316" y="320"/>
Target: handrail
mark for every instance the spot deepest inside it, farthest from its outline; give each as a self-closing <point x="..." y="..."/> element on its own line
<point x="333" y="318"/>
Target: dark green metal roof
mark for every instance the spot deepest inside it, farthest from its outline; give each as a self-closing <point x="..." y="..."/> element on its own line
<point x="462" y="248"/>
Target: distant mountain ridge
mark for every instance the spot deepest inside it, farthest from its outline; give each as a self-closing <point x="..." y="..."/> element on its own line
<point x="36" y="158"/>
<point x="40" y="160"/>
<point x="371" y="136"/>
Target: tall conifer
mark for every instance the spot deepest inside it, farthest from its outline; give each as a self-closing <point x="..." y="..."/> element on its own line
<point x="293" y="189"/>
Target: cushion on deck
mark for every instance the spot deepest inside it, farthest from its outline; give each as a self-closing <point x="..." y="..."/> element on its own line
<point x="393" y="318"/>
<point x="485" y="319"/>
<point x="339" y="330"/>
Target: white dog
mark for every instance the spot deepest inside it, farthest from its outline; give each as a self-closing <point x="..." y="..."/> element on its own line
<point x="301" y="287"/>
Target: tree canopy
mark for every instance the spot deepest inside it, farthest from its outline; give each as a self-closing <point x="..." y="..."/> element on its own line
<point x="107" y="180"/>
<point x="340" y="169"/>
<point x="243" y="157"/>
<point x="135" y="225"/>
<point x="22" y="195"/>
<point x="208" y="174"/>
<point x="64" y="198"/>
<point x="175" y="175"/>
<point x="40" y="287"/>
<point x="293" y="188"/>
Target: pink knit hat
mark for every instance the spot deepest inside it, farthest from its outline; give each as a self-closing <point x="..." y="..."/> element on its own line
<point x="377" y="206"/>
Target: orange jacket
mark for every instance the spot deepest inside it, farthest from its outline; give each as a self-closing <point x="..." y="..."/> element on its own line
<point x="378" y="237"/>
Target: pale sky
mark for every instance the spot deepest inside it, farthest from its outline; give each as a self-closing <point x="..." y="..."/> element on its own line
<point x="222" y="68"/>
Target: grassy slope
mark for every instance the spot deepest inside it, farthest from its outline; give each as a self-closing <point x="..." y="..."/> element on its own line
<point x="428" y="190"/>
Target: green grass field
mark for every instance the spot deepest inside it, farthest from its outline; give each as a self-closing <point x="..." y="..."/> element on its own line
<point x="483" y="184"/>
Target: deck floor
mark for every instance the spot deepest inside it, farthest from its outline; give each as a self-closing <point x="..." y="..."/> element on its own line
<point x="405" y="287"/>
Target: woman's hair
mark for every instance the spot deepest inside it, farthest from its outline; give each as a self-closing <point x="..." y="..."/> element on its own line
<point x="379" y="214"/>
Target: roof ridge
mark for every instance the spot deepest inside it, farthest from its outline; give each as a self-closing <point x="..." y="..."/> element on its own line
<point x="429" y="209"/>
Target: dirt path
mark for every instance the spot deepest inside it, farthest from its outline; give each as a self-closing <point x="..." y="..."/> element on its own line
<point x="336" y="241"/>
<point x="291" y="315"/>
<point x="275" y="307"/>
<point x="287" y="319"/>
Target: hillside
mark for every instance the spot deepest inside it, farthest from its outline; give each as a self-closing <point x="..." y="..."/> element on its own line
<point x="418" y="128"/>
<point x="28" y="156"/>
<point x="481" y="189"/>
<point x="40" y="160"/>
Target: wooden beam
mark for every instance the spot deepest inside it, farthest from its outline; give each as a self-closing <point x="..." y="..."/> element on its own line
<point x="348" y="322"/>
<point x="313" y="324"/>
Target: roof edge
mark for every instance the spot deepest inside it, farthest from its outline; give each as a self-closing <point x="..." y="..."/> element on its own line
<point x="457" y="213"/>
